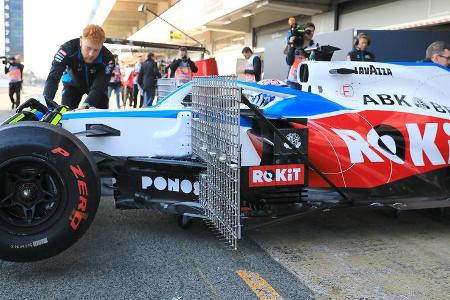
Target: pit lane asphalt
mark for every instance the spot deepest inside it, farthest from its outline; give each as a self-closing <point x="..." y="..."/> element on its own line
<point x="145" y="254"/>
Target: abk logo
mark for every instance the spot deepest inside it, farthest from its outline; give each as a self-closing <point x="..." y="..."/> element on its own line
<point x="276" y="175"/>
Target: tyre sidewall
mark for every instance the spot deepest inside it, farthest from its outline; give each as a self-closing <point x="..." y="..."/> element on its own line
<point x="80" y="188"/>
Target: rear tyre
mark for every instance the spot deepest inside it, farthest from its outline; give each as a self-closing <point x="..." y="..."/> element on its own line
<point x="49" y="190"/>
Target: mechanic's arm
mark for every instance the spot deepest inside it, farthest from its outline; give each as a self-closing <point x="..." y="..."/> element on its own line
<point x="99" y="85"/>
<point x="290" y="57"/>
<point x="192" y="65"/>
<point x="174" y="65"/>
<point x="58" y="66"/>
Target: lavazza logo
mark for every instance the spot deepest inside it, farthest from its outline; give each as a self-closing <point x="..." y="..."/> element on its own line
<point x="176" y="185"/>
<point x="276" y="175"/>
<point x="372" y="70"/>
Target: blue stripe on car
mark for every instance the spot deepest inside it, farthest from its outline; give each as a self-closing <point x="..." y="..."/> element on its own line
<point x="124" y="114"/>
<point x="301" y="104"/>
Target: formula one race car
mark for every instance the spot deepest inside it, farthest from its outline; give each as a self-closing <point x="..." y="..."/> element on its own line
<point x="359" y="134"/>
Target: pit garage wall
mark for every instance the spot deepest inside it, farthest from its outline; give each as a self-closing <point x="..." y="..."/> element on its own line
<point x="374" y="14"/>
<point x="389" y="45"/>
<point x="273" y="40"/>
<point x="379" y="14"/>
<point x="342" y="39"/>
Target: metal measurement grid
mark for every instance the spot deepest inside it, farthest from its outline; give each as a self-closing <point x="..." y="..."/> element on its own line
<point x="215" y="139"/>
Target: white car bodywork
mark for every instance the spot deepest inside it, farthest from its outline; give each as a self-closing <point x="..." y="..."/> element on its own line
<point x="164" y="129"/>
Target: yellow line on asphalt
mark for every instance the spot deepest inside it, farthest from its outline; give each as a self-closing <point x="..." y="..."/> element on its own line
<point x="262" y="289"/>
<point x="212" y="290"/>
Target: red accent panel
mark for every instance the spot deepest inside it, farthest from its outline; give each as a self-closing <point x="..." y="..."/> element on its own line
<point x="257" y="142"/>
<point x="330" y="153"/>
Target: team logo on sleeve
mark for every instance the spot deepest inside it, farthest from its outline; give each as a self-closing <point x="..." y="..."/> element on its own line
<point x="60" y="55"/>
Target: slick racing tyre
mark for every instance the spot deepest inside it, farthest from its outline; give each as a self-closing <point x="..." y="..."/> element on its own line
<point x="49" y="190"/>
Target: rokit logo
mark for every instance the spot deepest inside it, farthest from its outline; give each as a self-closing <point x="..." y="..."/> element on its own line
<point x="276" y="175"/>
<point x="172" y="185"/>
<point x="421" y="145"/>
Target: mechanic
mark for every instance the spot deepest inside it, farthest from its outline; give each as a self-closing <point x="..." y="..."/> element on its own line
<point x="439" y="53"/>
<point x="253" y="66"/>
<point x="127" y="83"/>
<point x="183" y="68"/>
<point x="85" y="66"/>
<point x="148" y="76"/>
<point x="360" y="53"/>
<point x="14" y="70"/>
<point x="300" y="39"/>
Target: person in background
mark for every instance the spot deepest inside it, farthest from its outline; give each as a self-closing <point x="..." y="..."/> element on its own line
<point x="122" y="84"/>
<point x="85" y="66"/>
<point x="253" y="67"/>
<point x="162" y="68"/>
<point x="14" y="71"/>
<point x="292" y="22"/>
<point x="296" y="53"/>
<point x="167" y="72"/>
<point x="148" y="78"/>
<point x="359" y="53"/>
<point x="128" y="85"/>
<point x="438" y="53"/>
<point x="136" y="87"/>
<point x="115" y="82"/>
<point x="183" y="68"/>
